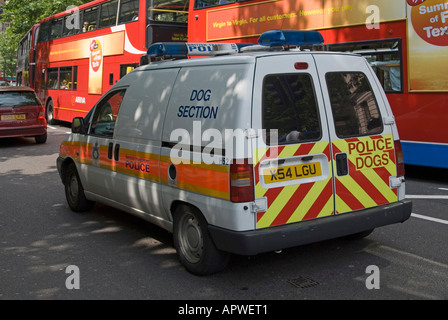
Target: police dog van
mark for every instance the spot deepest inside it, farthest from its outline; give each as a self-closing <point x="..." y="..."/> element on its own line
<point x="242" y="152"/>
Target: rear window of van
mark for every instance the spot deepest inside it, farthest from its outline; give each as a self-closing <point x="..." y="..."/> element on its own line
<point x="290" y="113"/>
<point x="355" y="109"/>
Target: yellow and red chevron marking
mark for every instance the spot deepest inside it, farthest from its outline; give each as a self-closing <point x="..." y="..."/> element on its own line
<point x="371" y="161"/>
<point x="298" y="202"/>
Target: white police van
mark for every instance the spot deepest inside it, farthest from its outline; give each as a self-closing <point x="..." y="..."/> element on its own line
<point x="242" y="153"/>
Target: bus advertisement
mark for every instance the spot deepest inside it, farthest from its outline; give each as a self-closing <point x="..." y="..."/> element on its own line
<point x="72" y="58"/>
<point x="405" y="41"/>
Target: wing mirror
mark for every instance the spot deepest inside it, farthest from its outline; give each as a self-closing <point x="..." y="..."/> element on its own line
<point x="78" y="125"/>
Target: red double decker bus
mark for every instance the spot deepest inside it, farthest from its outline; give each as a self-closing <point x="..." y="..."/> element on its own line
<point x="73" y="57"/>
<point x="405" y="41"/>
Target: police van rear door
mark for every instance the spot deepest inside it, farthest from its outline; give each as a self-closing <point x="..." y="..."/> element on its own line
<point x="361" y="133"/>
<point x="292" y="158"/>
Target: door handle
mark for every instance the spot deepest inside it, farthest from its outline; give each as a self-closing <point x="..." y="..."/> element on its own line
<point x="341" y="164"/>
<point x="109" y="151"/>
<point x="117" y="152"/>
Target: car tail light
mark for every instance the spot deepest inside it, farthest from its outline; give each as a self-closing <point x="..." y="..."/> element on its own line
<point x="241" y="181"/>
<point x="41" y="116"/>
<point x="399" y="158"/>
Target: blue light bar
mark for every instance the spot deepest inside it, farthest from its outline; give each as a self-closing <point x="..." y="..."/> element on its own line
<point x="173" y="49"/>
<point x="290" y="37"/>
<point x="180" y="50"/>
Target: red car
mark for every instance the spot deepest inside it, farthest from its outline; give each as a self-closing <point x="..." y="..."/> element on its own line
<point x="22" y="114"/>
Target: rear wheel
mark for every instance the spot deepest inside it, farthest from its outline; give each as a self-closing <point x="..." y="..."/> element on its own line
<point x="74" y="192"/>
<point x="41" y="139"/>
<point x="195" y="248"/>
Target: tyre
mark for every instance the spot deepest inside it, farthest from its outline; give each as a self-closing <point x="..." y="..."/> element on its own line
<point x="195" y="248"/>
<point x="74" y="192"/>
<point x="49" y="112"/>
<point x="41" y="139"/>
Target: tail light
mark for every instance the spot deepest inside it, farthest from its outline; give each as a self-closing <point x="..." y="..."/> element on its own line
<point x="41" y="116"/>
<point x="399" y="158"/>
<point x="241" y="181"/>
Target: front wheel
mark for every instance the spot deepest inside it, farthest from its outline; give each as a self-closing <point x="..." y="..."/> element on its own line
<point x="195" y="248"/>
<point x="74" y="191"/>
<point x="49" y="112"/>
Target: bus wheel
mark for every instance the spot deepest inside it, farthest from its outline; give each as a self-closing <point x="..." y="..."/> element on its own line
<point x="195" y="248"/>
<point x="49" y="112"/>
<point x="74" y="192"/>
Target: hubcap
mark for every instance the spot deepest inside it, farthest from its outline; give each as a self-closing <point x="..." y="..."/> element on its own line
<point x="73" y="188"/>
<point x="190" y="238"/>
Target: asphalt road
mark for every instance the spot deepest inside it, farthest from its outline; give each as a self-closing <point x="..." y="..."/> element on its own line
<point x="49" y="252"/>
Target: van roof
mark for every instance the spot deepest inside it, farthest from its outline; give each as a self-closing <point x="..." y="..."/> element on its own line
<point x="239" y="58"/>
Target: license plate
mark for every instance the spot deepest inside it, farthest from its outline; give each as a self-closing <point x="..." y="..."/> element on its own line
<point x="295" y="172"/>
<point x="13" y="117"/>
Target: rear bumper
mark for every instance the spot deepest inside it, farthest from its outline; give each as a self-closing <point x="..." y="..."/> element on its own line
<point x="22" y="132"/>
<point x="275" y="238"/>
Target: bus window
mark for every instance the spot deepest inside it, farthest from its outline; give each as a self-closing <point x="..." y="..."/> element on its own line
<point x="56" y="28"/>
<point x="128" y="11"/>
<point x="52" y="78"/>
<point x="65" y="78"/>
<point x="108" y="14"/>
<point x="75" y="78"/>
<point x="383" y="55"/>
<point x="175" y="11"/>
<point x="44" y="33"/>
<point x="90" y="18"/>
<point x="210" y="3"/>
<point x="70" y="25"/>
<point x="126" y="68"/>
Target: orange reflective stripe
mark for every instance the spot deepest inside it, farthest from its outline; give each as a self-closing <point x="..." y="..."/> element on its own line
<point x="139" y="164"/>
<point x="76" y="150"/>
<point x="209" y="179"/>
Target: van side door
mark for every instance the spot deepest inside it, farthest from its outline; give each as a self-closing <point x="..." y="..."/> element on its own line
<point x="99" y="157"/>
<point x="292" y="158"/>
<point x="138" y="133"/>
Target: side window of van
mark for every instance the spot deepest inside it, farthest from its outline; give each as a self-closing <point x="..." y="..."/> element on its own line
<point x="290" y="109"/>
<point x="355" y="110"/>
<point x="105" y="114"/>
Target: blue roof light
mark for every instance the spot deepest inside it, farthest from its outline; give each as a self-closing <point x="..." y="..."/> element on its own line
<point x="180" y="50"/>
<point x="175" y="49"/>
<point x="290" y="37"/>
